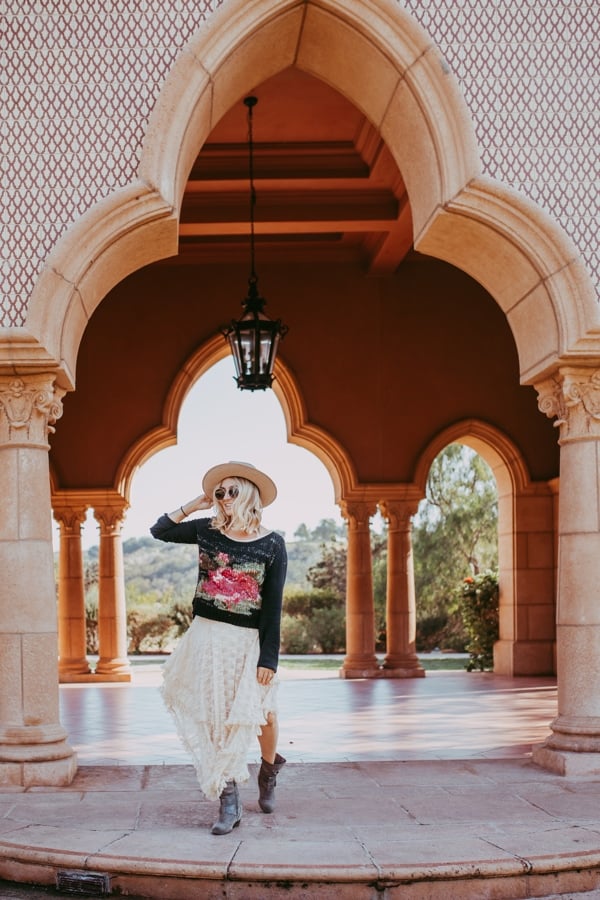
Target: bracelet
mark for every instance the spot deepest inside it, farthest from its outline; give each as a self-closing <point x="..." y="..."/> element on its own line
<point x="183" y="511"/>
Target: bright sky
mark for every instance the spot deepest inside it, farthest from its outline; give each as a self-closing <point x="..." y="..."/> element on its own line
<point x="218" y="422"/>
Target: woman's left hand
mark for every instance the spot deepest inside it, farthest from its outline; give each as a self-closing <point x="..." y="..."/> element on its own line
<point x="264" y="676"/>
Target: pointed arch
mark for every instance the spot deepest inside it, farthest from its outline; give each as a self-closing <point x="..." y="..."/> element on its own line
<point x="377" y="56"/>
<point x="299" y="430"/>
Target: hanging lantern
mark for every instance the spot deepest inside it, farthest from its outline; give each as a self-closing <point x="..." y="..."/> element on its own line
<point x="254" y="338"/>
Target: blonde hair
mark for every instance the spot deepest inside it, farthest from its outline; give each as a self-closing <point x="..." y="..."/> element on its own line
<point x="246" y="512"/>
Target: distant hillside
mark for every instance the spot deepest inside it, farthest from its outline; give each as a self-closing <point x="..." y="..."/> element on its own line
<point x="154" y="567"/>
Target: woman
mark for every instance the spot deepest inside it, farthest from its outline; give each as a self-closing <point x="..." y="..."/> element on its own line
<point x="220" y="682"/>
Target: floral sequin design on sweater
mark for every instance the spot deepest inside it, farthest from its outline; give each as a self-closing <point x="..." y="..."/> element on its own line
<point x="229" y="586"/>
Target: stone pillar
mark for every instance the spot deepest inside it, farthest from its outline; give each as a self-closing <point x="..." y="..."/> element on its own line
<point x="33" y="747"/>
<point x="73" y="662"/>
<point x="573" y="748"/>
<point x="113" y="664"/>
<point x="360" y="661"/>
<point x="401" y="657"/>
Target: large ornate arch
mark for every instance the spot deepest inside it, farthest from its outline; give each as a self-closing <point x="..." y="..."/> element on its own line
<point x="375" y="54"/>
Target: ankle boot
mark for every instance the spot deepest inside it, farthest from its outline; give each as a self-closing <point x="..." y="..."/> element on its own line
<point x="230" y="812"/>
<point x="267" y="779"/>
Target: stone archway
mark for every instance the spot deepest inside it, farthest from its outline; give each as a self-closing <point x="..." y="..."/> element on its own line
<point x="386" y="65"/>
<point x="526" y="548"/>
<point x="375" y="55"/>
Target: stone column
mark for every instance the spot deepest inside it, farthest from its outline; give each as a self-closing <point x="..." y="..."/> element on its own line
<point x="360" y="661"/>
<point x="401" y="657"/>
<point x="72" y="642"/>
<point x="113" y="664"/>
<point x="573" y="748"/>
<point x="33" y="747"/>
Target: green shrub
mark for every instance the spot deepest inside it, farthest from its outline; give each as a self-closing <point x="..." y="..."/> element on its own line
<point x="91" y="626"/>
<point x="294" y="635"/>
<point x="327" y="628"/>
<point x="148" y="630"/>
<point x="479" y="606"/>
<point x="180" y="613"/>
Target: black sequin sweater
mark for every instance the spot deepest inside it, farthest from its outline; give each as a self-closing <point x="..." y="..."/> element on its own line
<point x="239" y="582"/>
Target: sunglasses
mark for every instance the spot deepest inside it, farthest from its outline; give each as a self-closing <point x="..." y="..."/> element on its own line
<point x="221" y="493"/>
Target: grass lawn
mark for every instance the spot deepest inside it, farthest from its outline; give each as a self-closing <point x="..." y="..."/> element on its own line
<point x="316" y="662"/>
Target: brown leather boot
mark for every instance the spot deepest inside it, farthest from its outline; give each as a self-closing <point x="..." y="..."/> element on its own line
<point x="267" y="779"/>
<point x="230" y="812"/>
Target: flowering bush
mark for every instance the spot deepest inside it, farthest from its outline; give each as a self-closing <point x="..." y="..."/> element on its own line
<point x="479" y="606"/>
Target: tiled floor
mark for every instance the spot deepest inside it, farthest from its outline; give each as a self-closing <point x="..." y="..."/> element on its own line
<point x="399" y="788"/>
<point x="323" y="718"/>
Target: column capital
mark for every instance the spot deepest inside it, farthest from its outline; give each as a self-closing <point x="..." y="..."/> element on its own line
<point x="398" y="512"/>
<point x="70" y="518"/>
<point x="110" y="514"/>
<point x="29" y="407"/>
<point x="358" y="512"/>
<point x="572" y="396"/>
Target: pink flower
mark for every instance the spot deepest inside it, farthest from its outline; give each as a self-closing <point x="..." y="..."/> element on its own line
<point x="231" y="587"/>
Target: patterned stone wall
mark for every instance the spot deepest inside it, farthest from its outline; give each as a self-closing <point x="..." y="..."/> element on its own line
<point x="81" y="77"/>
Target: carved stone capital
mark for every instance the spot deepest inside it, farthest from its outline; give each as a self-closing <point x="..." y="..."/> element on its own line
<point x="70" y="518"/>
<point x="110" y="518"/>
<point x="29" y="406"/>
<point x="398" y="513"/>
<point x="572" y="397"/>
<point x="358" y="513"/>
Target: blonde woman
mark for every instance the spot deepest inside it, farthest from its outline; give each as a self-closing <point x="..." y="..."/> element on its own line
<point x="220" y="682"/>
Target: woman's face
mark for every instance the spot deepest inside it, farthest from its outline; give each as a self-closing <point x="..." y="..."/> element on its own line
<point x="226" y="494"/>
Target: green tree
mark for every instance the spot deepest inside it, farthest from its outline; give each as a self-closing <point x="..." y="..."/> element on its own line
<point x="302" y="533"/>
<point x="327" y="530"/>
<point x="455" y="535"/>
<point x="329" y="573"/>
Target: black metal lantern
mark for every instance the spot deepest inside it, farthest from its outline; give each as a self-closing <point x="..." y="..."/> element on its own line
<point x="254" y="338"/>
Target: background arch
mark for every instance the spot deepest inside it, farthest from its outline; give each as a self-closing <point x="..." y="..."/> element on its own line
<point x="299" y="431"/>
<point x="526" y="547"/>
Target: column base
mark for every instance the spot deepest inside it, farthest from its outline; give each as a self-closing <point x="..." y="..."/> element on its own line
<point x="402" y="666"/>
<point x="402" y="672"/>
<point x="92" y="677"/>
<point x="66" y="670"/>
<point x="358" y="672"/>
<point x="566" y="762"/>
<point x="113" y="670"/>
<point x="50" y="773"/>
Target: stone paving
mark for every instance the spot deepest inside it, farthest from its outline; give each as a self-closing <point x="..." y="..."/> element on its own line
<point x="472" y="818"/>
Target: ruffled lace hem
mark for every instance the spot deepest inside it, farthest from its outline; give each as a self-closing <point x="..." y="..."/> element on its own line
<point x="210" y="688"/>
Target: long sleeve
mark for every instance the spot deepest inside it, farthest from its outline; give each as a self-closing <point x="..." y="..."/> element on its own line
<point x="165" y="529"/>
<point x="269" y="629"/>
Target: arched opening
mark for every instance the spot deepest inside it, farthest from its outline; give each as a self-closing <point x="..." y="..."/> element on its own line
<point x="526" y="548"/>
<point x="455" y="542"/>
<point x="510" y="254"/>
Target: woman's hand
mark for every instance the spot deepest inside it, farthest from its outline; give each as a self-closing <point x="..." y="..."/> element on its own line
<point x="264" y="676"/>
<point x="202" y="501"/>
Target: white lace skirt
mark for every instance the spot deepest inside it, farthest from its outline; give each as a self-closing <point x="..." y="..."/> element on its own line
<point x="210" y="688"/>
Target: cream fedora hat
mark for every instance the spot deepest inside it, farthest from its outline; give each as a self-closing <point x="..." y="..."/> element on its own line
<point x="233" y="469"/>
